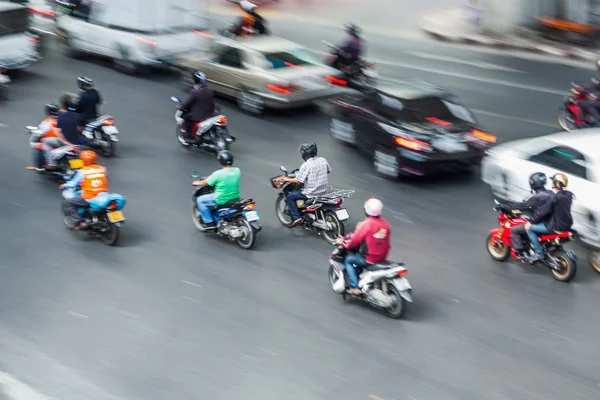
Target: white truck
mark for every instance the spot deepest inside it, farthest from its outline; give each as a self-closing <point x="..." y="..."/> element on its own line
<point x="135" y="34"/>
<point x="19" y="47"/>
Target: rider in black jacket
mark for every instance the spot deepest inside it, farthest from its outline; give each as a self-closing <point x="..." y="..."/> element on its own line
<point x="538" y="205"/>
<point x="561" y="219"/>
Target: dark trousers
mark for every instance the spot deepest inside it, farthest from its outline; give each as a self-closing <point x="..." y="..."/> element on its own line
<point x="291" y="198"/>
<point x="73" y="204"/>
<point x="592" y="108"/>
<point x="517" y="235"/>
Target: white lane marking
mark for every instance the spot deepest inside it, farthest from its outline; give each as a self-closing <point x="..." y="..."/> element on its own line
<point x="4" y="125"/>
<point x="478" y="64"/>
<point x="512" y="117"/>
<point x="191" y="284"/>
<point x="462" y="76"/>
<point x="17" y="390"/>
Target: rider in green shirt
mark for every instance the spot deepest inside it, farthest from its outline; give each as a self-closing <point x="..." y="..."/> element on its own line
<point x="226" y="183"/>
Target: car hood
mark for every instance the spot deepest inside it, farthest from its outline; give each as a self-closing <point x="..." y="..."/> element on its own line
<point x="510" y="149"/>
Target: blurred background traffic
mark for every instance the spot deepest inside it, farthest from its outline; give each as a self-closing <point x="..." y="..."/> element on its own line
<point x="171" y="312"/>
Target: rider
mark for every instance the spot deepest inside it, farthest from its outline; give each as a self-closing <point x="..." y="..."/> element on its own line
<point x="89" y="99"/>
<point x="199" y="105"/>
<point x="561" y="219"/>
<point x="592" y="104"/>
<point x="226" y="183"/>
<point x="50" y="137"/>
<point x="351" y="51"/>
<point x="372" y="240"/>
<point x="313" y="175"/>
<point x="92" y="179"/>
<point x="251" y="23"/>
<point x="539" y="205"/>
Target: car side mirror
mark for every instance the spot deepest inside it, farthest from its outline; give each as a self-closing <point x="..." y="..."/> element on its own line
<point x="175" y="99"/>
<point x="283" y="169"/>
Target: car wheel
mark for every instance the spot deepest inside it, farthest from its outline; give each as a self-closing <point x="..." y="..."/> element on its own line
<point x="386" y="164"/>
<point x="250" y="103"/>
<point x="67" y="45"/>
<point x="123" y="62"/>
<point x="343" y="131"/>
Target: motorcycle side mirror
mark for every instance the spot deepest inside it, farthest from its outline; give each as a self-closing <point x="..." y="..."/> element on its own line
<point x="194" y="175"/>
<point x="175" y="99"/>
<point x="283" y="169"/>
<point x="496" y="202"/>
<point x="595" y="80"/>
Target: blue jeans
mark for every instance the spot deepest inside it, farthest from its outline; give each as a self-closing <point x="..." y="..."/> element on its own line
<point x="350" y="261"/>
<point x="204" y="202"/>
<point x="533" y="237"/>
<point x="291" y="198"/>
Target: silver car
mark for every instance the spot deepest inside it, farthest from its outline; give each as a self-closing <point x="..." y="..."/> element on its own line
<point x="263" y="72"/>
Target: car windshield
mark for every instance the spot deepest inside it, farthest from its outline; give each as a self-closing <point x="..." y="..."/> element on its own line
<point x="437" y="110"/>
<point x="296" y="58"/>
<point x="14" y="21"/>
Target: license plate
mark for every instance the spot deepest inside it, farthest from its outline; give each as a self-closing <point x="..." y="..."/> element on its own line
<point x="449" y="145"/>
<point x="115" y="216"/>
<point x="75" y="164"/>
<point x="251" y="215"/>
<point x="110" y="130"/>
<point x="342" y="214"/>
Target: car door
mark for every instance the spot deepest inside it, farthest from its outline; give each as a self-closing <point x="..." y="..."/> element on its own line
<point x="227" y="73"/>
<point x="366" y="118"/>
<point x="77" y="27"/>
<point x="572" y="163"/>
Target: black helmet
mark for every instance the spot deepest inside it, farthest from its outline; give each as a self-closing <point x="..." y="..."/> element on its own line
<point x="352" y="29"/>
<point x="308" y="150"/>
<point x="225" y="158"/>
<point x="537" y="181"/>
<point x="199" y="78"/>
<point x="84" y="81"/>
<point x="52" y="110"/>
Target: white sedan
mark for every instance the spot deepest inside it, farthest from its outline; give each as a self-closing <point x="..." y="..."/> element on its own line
<point x="507" y="167"/>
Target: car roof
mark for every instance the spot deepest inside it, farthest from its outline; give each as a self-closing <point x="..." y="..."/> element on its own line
<point x="410" y="89"/>
<point x="586" y="141"/>
<point x="10" y="6"/>
<point x="265" y="43"/>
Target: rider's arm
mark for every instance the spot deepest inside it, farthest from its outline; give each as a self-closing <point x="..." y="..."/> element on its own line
<point x="211" y="180"/>
<point x="60" y="135"/>
<point x="544" y="210"/>
<point x="75" y="181"/>
<point x="359" y="236"/>
<point x="300" y="176"/>
<point x="189" y="101"/>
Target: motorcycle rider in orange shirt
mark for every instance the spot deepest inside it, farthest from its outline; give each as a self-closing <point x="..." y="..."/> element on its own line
<point x="92" y="179"/>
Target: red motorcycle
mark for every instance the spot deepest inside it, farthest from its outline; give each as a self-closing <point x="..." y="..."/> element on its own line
<point x="562" y="263"/>
<point x="570" y="117"/>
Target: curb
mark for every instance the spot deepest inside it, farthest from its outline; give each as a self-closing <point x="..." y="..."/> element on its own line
<point x="572" y="52"/>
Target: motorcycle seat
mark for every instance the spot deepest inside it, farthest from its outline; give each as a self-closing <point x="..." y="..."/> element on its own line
<point x="101" y="201"/>
<point x="555" y="235"/>
<point x="232" y="204"/>
<point x="383" y="265"/>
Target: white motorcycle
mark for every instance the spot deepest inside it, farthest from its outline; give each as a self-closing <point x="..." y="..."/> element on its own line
<point x="4" y="83"/>
<point x="383" y="285"/>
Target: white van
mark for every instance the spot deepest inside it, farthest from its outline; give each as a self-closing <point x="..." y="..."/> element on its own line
<point x="19" y="48"/>
<point x="135" y="34"/>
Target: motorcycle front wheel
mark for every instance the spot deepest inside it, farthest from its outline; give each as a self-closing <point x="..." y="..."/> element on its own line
<point x="282" y="209"/>
<point x="66" y="219"/>
<point x="499" y="251"/>
<point x="563" y="120"/>
<point x="594" y="257"/>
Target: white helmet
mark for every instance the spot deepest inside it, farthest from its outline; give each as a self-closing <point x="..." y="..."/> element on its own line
<point x="373" y="207"/>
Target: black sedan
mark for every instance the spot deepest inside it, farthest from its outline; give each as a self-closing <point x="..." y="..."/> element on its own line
<point x="409" y="128"/>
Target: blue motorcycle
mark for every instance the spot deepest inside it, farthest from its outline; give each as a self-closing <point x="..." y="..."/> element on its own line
<point x="236" y="220"/>
<point x="104" y="216"/>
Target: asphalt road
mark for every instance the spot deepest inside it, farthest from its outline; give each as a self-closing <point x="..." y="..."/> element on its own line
<point x="173" y="313"/>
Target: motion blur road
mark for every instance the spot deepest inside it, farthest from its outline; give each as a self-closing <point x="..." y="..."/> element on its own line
<point x="176" y="314"/>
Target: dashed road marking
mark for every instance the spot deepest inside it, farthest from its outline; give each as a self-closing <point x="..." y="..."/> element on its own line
<point x="77" y="315"/>
<point x="17" y="390"/>
<point x="192" y="299"/>
<point x="191" y="283"/>
<point x="4" y="125"/>
<point x="478" y="64"/>
<point x="125" y="313"/>
<point x="374" y="397"/>
<point x="515" y="118"/>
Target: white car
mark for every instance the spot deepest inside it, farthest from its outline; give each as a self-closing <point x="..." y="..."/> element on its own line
<point x="135" y="34"/>
<point x="507" y="167"/>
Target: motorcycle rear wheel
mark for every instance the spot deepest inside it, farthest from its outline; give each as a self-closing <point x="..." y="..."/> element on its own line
<point x="338" y="231"/>
<point x="111" y="236"/>
<point x="500" y="251"/>
<point x="396" y="311"/>
<point x="249" y="239"/>
<point x="569" y="267"/>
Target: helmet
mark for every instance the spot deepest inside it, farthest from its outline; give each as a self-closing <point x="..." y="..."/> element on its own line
<point x="373" y="207"/>
<point x="225" y="158"/>
<point x="247" y="6"/>
<point x="308" y="150"/>
<point x="199" y="78"/>
<point x="84" y="81"/>
<point x="352" y="29"/>
<point x="52" y="110"/>
<point x="560" y="180"/>
<point x="88" y="157"/>
<point x="537" y="181"/>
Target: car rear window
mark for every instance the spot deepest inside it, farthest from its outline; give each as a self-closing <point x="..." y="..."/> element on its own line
<point x="14" y="21"/>
<point x="298" y="58"/>
<point x="437" y="109"/>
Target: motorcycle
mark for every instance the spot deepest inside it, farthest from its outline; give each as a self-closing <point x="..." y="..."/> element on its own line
<point x="594" y="257"/>
<point x="101" y="135"/>
<point x="361" y="73"/>
<point x="236" y="220"/>
<point x="562" y="263"/>
<point x="66" y="157"/>
<point x="382" y="285"/>
<point x="104" y="216"/>
<point x="569" y="113"/>
<point x="211" y="134"/>
<point x="322" y="214"/>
